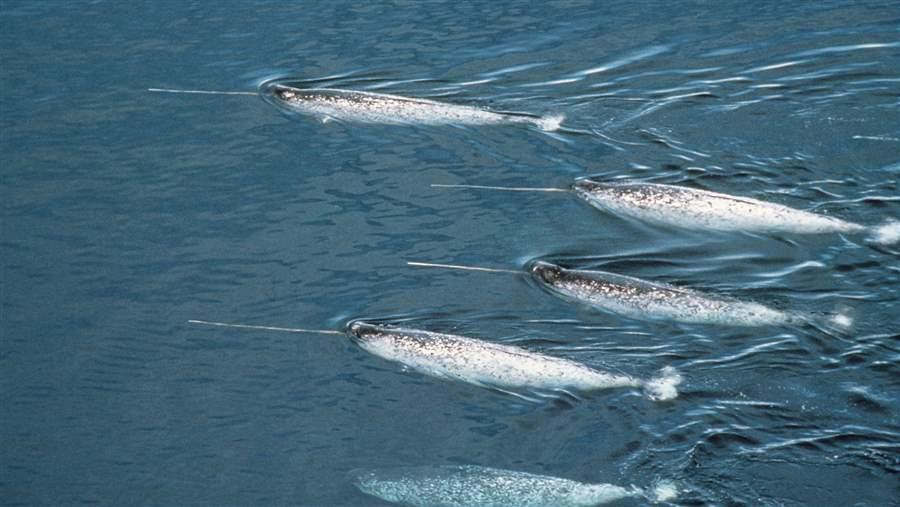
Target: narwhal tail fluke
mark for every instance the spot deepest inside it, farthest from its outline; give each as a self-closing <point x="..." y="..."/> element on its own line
<point x="887" y="233"/>
<point x="550" y="122"/>
<point x="663" y="387"/>
<point x="840" y="321"/>
<point x="662" y="491"/>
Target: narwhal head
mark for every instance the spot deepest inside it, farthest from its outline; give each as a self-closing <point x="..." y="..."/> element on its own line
<point x="361" y="332"/>
<point x="587" y="186"/>
<point x="546" y="272"/>
<point x="284" y="93"/>
<point x="599" y="194"/>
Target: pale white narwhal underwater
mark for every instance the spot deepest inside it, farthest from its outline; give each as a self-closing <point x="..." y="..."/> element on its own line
<point x="645" y="300"/>
<point x="690" y="208"/>
<point x="477" y="486"/>
<point x="381" y="108"/>
<point x="507" y="368"/>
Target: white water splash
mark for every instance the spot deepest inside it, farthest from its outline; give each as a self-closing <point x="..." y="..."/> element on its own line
<point x="887" y="233"/>
<point x="664" y="387"/>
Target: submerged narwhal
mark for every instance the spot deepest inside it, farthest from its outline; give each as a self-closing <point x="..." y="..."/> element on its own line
<point x="502" y="367"/>
<point x="478" y="486"/>
<point x="703" y="210"/>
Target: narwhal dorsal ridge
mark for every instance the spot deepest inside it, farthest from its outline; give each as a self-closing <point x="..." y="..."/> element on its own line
<point x="644" y="299"/>
<point x="471" y="485"/>
<point x="427" y="341"/>
<point x="289" y="94"/>
<point x="704" y="210"/>
<point x="649" y="194"/>
<point x="382" y="108"/>
<point x="698" y="209"/>
<point x="507" y="368"/>
<point x="552" y="274"/>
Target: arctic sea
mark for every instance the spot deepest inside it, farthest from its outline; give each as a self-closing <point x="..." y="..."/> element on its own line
<point x="126" y="213"/>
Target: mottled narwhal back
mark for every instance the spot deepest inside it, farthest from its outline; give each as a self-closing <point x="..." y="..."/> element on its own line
<point x="645" y="300"/>
<point x="477" y="486"/>
<point x="503" y="367"/>
<point x="703" y="210"/>
<point x="479" y="362"/>
<point x="381" y="108"/>
<point x="692" y="208"/>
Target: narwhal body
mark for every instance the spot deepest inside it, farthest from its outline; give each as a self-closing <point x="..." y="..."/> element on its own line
<point x="506" y="368"/>
<point x="691" y="208"/>
<point x="503" y="367"/>
<point x="702" y="210"/>
<point x="643" y="299"/>
<point x="477" y="486"/>
<point x="646" y="300"/>
<point x="369" y="107"/>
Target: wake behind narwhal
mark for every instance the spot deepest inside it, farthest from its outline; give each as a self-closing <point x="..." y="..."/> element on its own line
<point x="502" y="367"/>
<point x="356" y="106"/>
<point x="703" y="210"/>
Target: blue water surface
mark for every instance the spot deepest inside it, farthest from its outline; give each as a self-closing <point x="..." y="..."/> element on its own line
<point x="126" y="213"/>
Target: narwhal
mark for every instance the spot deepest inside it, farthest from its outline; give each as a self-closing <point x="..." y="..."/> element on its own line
<point x="507" y="368"/>
<point x="691" y="208"/>
<point x="647" y="300"/>
<point x="478" y="486"/>
<point x="382" y="108"/>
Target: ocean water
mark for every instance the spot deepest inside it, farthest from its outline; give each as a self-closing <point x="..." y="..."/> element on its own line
<point x="127" y="213"/>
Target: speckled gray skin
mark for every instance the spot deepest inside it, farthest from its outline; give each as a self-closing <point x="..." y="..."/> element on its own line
<point x="689" y="208"/>
<point x="367" y="107"/>
<point x="482" y="363"/>
<point x="474" y="486"/>
<point x="641" y="299"/>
